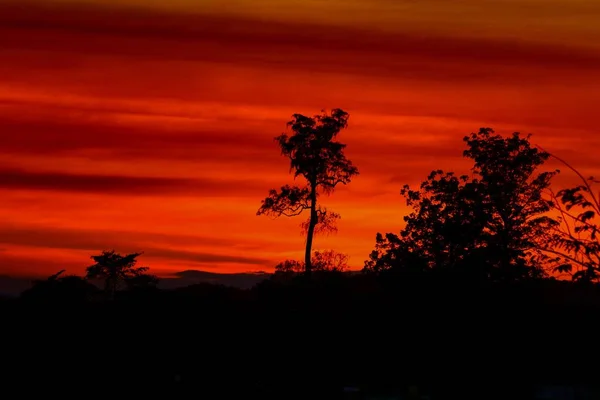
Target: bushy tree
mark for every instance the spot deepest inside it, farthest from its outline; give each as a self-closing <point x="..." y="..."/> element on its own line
<point x="316" y="156"/>
<point x="443" y="231"/>
<point x="118" y="271"/>
<point x="486" y="226"/>
<point x="513" y="195"/>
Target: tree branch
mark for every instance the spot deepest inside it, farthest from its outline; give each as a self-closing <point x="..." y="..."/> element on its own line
<point x="585" y="181"/>
<point x="290" y="201"/>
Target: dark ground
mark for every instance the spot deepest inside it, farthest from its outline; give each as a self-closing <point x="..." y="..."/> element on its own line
<point x="287" y="340"/>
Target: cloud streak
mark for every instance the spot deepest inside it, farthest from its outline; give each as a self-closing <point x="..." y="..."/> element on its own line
<point x="15" y="179"/>
<point x="71" y="133"/>
<point x="289" y="45"/>
<point x="174" y="252"/>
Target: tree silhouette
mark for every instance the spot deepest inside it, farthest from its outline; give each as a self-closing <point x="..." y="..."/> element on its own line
<point x="443" y="232"/>
<point x="576" y="240"/>
<point x="117" y="271"/>
<point x="486" y="226"/>
<point x="289" y="267"/>
<point x="68" y="289"/>
<point x="514" y="198"/>
<point x="330" y="261"/>
<point x="322" y="261"/>
<point x="315" y="155"/>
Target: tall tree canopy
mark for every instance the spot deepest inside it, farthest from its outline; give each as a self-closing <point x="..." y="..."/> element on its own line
<point x="316" y="156"/>
<point x="487" y="226"/>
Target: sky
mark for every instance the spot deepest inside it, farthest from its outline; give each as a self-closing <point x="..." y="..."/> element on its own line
<point x="140" y="126"/>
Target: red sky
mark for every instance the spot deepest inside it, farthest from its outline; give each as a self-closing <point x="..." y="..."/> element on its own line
<point x="140" y="127"/>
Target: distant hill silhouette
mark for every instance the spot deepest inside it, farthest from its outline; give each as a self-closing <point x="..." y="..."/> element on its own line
<point x="11" y="286"/>
<point x="244" y="280"/>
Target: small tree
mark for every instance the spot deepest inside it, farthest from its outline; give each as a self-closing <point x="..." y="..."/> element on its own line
<point x="118" y="271"/>
<point x="330" y="261"/>
<point x="289" y="267"/>
<point x="323" y="261"/>
<point x="315" y="155"/>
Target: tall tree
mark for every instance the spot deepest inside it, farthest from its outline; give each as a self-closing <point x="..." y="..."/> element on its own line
<point x="316" y="156"/>
<point x="487" y="225"/>
<point x="117" y="270"/>
<point x="514" y="199"/>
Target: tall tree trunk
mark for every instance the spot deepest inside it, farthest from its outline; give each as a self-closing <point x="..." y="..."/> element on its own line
<point x="311" y="231"/>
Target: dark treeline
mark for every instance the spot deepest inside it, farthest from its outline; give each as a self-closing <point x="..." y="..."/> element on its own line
<point x="294" y="335"/>
<point x="489" y="290"/>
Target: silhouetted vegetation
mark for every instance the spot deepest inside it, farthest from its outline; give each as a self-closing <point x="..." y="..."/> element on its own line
<point x="328" y="260"/>
<point x="117" y="270"/>
<point x="316" y="156"/>
<point x="66" y="290"/>
<point x="575" y="239"/>
<point x="488" y="226"/>
<point x="465" y="302"/>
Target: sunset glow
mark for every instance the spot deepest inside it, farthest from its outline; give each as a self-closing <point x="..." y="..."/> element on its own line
<point x="140" y="127"/>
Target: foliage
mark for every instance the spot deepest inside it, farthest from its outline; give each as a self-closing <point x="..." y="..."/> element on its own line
<point x="68" y="289"/>
<point x="316" y="156"/>
<point x="289" y="201"/>
<point x="442" y="231"/>
<point x="487" y="226"/>
<point x="575" y="241"/>
<point x="289" y="267"/>
<point x="117" y="271"/>
<point x="322" y="261"/>
<point x="513" y="194"/>
<point x="330" y="260"/>
<point x="326" y="222"/>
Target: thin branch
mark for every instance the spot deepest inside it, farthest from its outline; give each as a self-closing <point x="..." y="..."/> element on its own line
<point x="578" y="262"/>
<point x="556" y="203"/>
<point x="585" y="181"/>
<point x="293" y="213"/>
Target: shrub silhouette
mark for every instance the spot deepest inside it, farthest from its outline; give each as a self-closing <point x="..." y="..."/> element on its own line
<point x="60" y="289"/>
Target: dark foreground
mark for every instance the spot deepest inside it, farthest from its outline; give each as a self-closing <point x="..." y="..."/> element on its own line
<point x="306" y="340"/>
